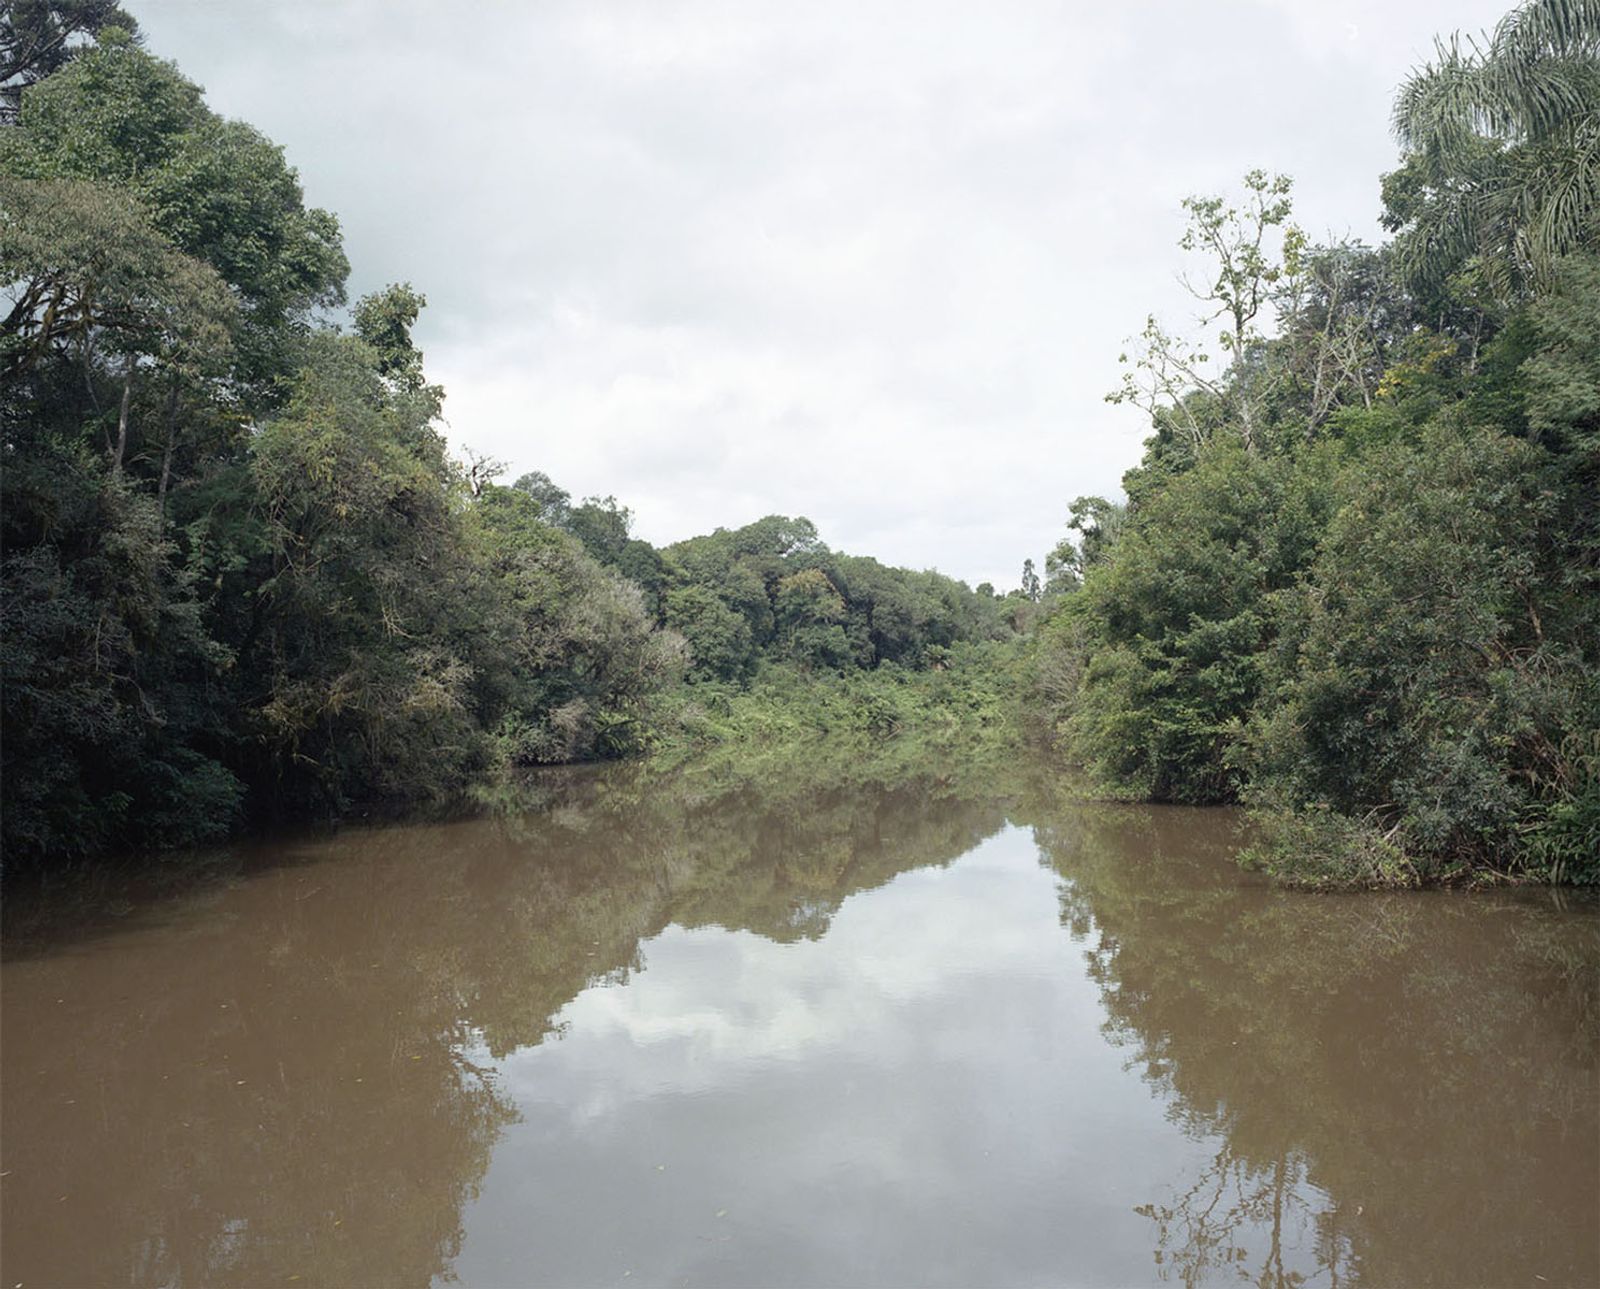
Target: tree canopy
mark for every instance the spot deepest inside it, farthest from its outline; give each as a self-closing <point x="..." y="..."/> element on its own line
<point x="1357" y="580"/>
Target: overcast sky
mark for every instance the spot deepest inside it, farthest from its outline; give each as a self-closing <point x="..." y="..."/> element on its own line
<point x="868" y="263"/>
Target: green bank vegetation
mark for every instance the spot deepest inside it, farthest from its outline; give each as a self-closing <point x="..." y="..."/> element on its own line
<point x="245" y="580"/>
<point x="1354" y="583"/>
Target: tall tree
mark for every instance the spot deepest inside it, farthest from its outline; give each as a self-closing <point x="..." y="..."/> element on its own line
<point x="1031" y="590"/>
<point x="1251" y="249"/>
<point x="218" y="190"/>
<point x="39" y="37"/>
<point x="1503" y="134"/>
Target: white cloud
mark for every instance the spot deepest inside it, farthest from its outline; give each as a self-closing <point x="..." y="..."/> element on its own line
<point x="870" y="263"/>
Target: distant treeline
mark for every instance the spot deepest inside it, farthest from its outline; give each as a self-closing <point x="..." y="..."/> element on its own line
<point x="1356" y="580"/>
<point x="243" y="577"/>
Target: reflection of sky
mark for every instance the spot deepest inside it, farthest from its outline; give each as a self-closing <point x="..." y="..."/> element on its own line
<point x="922" y="1096"/>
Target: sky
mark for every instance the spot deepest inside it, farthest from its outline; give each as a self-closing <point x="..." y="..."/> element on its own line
<point x="869" y="263"/>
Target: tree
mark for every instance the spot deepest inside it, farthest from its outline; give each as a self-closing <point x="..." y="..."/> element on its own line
<point x="359" y="672"/>
<point x="384" y="320"/>
<point x="111" y="677"/>
<point x="39" y="37"/>
<point x="555" y="504"/>
<point x="90" y="277"/>
<point x="1430" y="687"/>
<point x="217" y="190"/>
<point x="1030" y="582"/>
<point x="1251" y="249"/>
<point x="720" y="645"/>
<point x="1338" y="320"/>
<point x="603" y="526"/>
<point x="1098" y="523"/>
<point x="1563" y="374"/>
<point x="241" y="572"/>
<point x="114" y="694"/>
<point x="576" y="660"/>
<point x="1502" y="175"/>
<point x="809" y="611"/>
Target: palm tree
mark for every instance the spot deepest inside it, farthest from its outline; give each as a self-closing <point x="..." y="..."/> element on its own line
<point x="1504" y="140"/>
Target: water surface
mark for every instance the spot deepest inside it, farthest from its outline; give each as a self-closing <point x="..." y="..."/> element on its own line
<point x="913" y="1031"/>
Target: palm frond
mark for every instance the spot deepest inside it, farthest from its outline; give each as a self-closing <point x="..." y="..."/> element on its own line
<point x="1438" y="106"/>
<point x="1563" y="28"/>
<point x="1507" y="131"/>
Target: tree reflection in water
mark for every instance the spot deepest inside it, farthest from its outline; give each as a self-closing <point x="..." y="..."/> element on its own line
<point x="292" y="1069"/>
<point x="1398" y="1088"/>
<point x="1198" y="1235"/>
<point x="269" y="1075"/>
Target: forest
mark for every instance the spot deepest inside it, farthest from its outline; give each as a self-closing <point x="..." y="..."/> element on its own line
<point x="1353" y="584"/>
<point x="1354" y="580"/>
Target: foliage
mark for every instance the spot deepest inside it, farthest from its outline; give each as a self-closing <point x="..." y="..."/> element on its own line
<point x="1354" y="582"/>
<point x="964" y="711"/>
<point x="1173" y="622"/>
<point x="1502" y="173"/>
<point x="355" y="678"/>
<point x="40" y="37"/>
<point x="718" y="636"/>
<point x="581" y="658"/>
<point x="821" y="609"/>
<point x="243" y="576"/>
<point x="1418" y="683"/>
<point x="1357" y="582"/>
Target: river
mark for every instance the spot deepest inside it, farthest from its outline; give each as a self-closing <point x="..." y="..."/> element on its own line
<point x="916" y="1028"/>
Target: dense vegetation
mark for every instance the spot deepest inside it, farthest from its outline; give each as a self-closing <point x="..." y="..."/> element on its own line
<point x="1353" y="583"/>
<point x="1356" y="581"/>
<point x="243" y="576"/>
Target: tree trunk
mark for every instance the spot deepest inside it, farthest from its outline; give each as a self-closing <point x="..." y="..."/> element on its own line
<point x="172" y="438"/>
<point x="122" y="420"/>
<point x="88" y="377"/>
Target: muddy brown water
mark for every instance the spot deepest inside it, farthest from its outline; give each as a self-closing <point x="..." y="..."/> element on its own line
<point x="885" y="1034"/>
